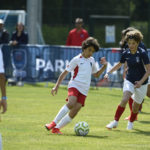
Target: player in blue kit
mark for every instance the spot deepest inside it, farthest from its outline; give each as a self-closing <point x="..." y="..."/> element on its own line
<point x="124" y="46"/>
<point x="136" y="81"/>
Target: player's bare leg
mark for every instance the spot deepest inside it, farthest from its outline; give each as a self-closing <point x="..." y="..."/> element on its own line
<point x="120" y="110"/>
<point x="74" y="108"/>
<point x="135" y="110"/>
<point x="63" y="111"/>
<point x="148" y="91"/>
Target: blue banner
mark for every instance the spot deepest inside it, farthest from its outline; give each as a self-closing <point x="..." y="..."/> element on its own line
<point x="38" y="63"/>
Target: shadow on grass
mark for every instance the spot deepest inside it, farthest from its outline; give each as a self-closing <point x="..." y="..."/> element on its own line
<point x="96" y="136"/>
<point x="35" y="85"/>
<point x="113" y="95"/>
<point x="137" y="131"/>
<point x="87" y="136"/>
<point x="144" y="122"/>
<point x="145" y="113"/>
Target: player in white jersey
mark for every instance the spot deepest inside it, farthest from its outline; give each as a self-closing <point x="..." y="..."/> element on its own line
<point x="3" y="102"/>
<point x="82" y="67"/>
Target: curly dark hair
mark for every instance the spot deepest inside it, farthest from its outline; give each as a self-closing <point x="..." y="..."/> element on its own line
<point x="135" y="35"/>
<point x="91" y="42"/>
<point x="123" y="34"/>
<point x="125" y="31"/>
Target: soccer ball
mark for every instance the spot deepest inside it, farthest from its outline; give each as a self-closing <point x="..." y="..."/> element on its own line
<point x="81" y="128"/>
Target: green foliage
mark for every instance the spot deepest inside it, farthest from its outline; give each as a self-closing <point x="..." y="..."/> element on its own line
<point x="141" y="10"/>
<point x="59" y="16"/>
<point x="55" y="35"/>
<point x="30" y="107"/>
<point x="143" y="27"/>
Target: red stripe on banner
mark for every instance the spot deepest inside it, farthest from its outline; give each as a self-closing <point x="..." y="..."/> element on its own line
<point x="115" y="50"/>
<point x="75" y="72"/>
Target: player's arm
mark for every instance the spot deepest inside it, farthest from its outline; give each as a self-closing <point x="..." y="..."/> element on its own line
<point x="60" y="79"/>
<point x="139" y="83"/>
<point x="125" y="69"/>
<point x="116" y="67"/>
<point x="146" y="62"/>
<point x="102" y="69"/>
<point x="69" y="68"/>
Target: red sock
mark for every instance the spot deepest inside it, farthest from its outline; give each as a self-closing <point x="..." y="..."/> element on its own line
<point x="133" y="116"/>
<point x="119" y="112"/>
<point x="130" y="103"/>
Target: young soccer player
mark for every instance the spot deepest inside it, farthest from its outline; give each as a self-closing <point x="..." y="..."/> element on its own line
<point x="82" y="67"/>
<point x="124" y="46"/>
<point x="135" y="84"/>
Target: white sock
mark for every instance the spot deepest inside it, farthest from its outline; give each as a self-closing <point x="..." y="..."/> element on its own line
<point x="63" y="111"/>
<point x="64" y="121"/>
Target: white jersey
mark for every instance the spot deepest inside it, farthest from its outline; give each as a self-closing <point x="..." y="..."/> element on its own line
<point x="81" y="69"/>
<point x="1" y="62"/>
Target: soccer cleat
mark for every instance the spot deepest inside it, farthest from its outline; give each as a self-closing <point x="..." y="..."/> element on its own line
<point x="50" y="126"/>
<point x="56" y="131"/>
<point x="130" y="125"/>
<point x="112" y="124"/>
<point x="128" y="118"/>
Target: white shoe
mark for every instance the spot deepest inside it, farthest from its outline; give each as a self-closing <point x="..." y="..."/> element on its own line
<point x="130" y="125"/>
<point x="112" y="124"/>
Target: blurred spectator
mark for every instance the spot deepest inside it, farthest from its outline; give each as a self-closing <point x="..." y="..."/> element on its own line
<point x="4" y="36"/>
<point x="19" y="36"/>
<point x="77" y="35"/>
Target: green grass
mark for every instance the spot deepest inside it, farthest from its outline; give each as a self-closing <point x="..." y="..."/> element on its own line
<point x="30" y="107"/>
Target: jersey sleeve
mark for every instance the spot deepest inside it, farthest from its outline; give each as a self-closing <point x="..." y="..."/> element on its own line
<point x="94" y="67"/>
<point x="141" y="44"/>
<point x="122" y="59"/>
<point x="145" y="58"/>
<point x="73" y="63"/>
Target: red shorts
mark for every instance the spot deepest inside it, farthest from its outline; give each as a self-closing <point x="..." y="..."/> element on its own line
<point x="74" y="92"/>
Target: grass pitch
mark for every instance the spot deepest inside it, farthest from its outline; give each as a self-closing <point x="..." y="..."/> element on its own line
<point x="30" y="107"/>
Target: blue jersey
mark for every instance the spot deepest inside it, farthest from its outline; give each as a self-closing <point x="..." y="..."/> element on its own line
<point x="141" y="45"/>
<point x="135" y="63"/>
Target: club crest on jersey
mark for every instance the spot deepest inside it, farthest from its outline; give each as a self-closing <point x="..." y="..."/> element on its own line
<point x="137" y="59"/>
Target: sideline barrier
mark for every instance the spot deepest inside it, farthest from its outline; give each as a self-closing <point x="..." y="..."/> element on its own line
<point x="38" y="63"/>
